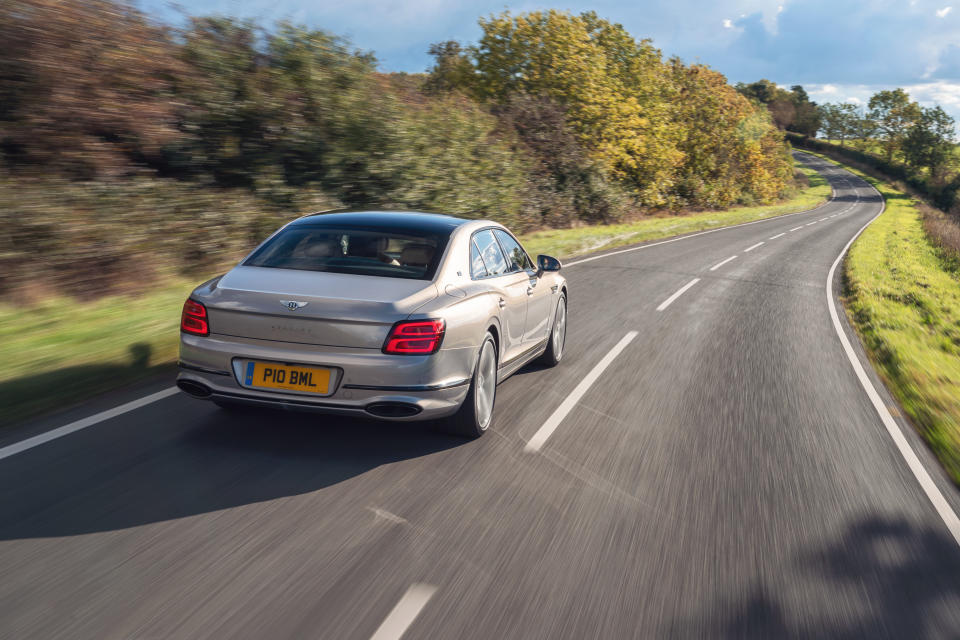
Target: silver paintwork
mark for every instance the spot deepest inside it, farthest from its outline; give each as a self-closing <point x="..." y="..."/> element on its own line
<point x="343" y="321"/>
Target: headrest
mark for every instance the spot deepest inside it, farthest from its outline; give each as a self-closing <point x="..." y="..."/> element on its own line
<point x="322" y="248"/>
<point x="418" y="255"/>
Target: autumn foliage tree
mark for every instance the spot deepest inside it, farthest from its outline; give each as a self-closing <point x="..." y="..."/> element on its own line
<point x="651" y="124"/>
<point x="182" y="145"/>
<point x="85" y="87"/>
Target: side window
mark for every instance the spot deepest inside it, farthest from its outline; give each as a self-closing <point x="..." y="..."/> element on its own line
<point x="477" y="268"/>
<point x="515" y="254"/>
<point x="490" y="252"/>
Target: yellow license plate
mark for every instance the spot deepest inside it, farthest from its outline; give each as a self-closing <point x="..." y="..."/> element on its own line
<point x="269" y="375"/>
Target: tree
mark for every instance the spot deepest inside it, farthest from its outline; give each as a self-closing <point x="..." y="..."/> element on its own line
<point x="893" y="114"/>
<point x="864" y="128"/>
<point x="763" y="91"/>
<point x="807" y="119"/>
<point x="731" y="151"/>
<point x="452" y="68"/>
<point x="85" y="87"/>
<point x="929" y="142"/>
<point x="791" y="110"/>
<point x="838" y="121"/>
<point x="615" y="89"/>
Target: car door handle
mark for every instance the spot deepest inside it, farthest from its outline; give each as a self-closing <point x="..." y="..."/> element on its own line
<point x="502" y="303"/>
<point x="529" y="291"/>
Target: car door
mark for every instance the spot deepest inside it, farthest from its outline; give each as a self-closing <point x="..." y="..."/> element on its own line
<point x="539" y="295"/>
<point x="510" y="287"/>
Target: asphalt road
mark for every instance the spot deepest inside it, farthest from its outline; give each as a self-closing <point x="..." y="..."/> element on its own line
<point x="724" y="476"/>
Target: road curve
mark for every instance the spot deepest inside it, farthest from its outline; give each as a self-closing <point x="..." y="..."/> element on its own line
<point x="704" y="463"/>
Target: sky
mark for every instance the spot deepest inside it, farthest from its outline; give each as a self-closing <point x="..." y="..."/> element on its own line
<point x="839" y="50"/>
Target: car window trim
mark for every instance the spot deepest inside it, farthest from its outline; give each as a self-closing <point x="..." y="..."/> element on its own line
<point x="529" y="271"/>
<point x="486" y="271"/>
<point x="502" y="253"/>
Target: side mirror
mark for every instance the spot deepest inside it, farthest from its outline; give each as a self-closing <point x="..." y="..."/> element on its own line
<point x="547" y="263"/>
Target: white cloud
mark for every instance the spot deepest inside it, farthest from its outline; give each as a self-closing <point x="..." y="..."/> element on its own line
<point x="854" y="100"/>
<point x="942" y="13"/>
<point x="828" y="89"/>
<point x="727" y="23"/>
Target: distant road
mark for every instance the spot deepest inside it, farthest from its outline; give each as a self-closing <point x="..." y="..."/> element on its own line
<point x="704" y="463"/>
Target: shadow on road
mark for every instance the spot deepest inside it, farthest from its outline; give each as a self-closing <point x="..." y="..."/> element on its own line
<point x="211" y="461"/>
<point x="32" y="395"/>
<point x="908" y="575"/>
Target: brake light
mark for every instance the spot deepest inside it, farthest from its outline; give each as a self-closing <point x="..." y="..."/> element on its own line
<point x="194" y="319"/>
<point x="417" y="337"/>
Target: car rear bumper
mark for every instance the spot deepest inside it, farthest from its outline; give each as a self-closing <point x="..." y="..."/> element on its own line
<point x="369" y="383"/>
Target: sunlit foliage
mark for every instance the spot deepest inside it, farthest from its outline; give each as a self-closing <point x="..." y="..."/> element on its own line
<point x="122" y="131"/>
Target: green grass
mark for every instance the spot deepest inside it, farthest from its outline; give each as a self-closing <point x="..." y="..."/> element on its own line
<point x="567" y="243"/>
<point x="902" y="294"/>
<point x="62" y="351"/>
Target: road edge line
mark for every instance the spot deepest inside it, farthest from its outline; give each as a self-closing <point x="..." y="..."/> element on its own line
<point x="933" y="493"/>
<point x="83" y="423"/>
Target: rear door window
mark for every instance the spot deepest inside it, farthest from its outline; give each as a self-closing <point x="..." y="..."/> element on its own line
<point x="477" y="268"/>
<point x="490" y="253"/>
<point x="516" y="256"/>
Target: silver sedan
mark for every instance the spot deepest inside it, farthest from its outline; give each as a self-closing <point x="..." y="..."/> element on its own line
<point x="397" y="315"/>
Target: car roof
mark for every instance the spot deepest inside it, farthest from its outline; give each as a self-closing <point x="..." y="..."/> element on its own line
<point x="394" y="220"/>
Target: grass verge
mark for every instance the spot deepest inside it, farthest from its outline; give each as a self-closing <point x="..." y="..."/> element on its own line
<point x="902" y="294"/>
<point x="62" y="351"/>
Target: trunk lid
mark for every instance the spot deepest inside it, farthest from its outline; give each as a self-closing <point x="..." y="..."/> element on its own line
<point x="341" y="310"/>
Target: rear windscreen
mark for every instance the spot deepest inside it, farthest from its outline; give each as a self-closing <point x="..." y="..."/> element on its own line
<point x="373" y="252"/>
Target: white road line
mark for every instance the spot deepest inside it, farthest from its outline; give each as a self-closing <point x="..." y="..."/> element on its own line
<point x="752" y="247"/>
<point x="544" y="432"/>
<point x="811" y="223"/>
<point x="795" y="228"/>
<point x="405" y="612"/>
<point x="59" y="432"/>
<point x="720" y="264"/>
<point x="920" y="473"/>
<point x="822" y="219"/>
<point x="779" y="235"/>
<point x="666" y="303"/>
<point x="694" y="235"/>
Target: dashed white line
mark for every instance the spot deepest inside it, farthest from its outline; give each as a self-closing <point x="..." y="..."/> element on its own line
<point x="405" y="612"/>
<point x="779" y="235"/>
<point x="752" y="247"/>
<point x="822" y="219"/>
<point x="83" y="423"/>
<point x="811" y="223"/>
<point x="666" y="303"/>
<point x="795" y="228"/>
<point x="720" y="264"/>
<point x="544" y="432"/>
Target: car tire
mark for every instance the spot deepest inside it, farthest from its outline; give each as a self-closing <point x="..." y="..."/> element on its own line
<point x="558" y="335"/>
<point x="475" y="415"/>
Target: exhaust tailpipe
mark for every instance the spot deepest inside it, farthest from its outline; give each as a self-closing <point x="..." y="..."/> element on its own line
<point x="392" y="409"/>
<point x="194" y="389"/>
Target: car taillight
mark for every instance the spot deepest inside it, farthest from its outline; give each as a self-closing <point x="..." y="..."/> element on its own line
<point x="194" y="319"/>
<point x="415" y="337"/>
